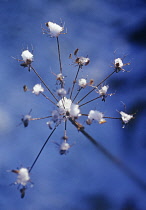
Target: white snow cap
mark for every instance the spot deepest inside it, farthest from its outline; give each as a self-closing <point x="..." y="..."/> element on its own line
<point x="23" y="176"/>
<point x="125" y="117"/>
<point x="95" y="115"/>
<point x="82" y="82"/>
<point x="66" y="105"/>
<point x="119" y="62"/>
<point x="61" y="92"/>
<point x="103" y="90"/>
<point x="27" y="56"/>
<point x="54" y="28"/>
<point x="37" y="89"/>
<point x="74" y="110"/>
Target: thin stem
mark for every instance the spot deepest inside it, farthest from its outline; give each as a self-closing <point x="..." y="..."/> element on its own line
<point x="40" y="118"/>
<point x="115" y="118"/>
<point x="97" y="86"/>
<point x="48" y="98"/>
<point x="90" y="101"/>
<point x="77" y="94"/>
<point x="43" y="82"/>
<point x="112" y="158"/>
<point x="65" y="129"/>
<point x="59" y="55"/>
<point x="41" y="150"/>
<point x="74" y="81"/>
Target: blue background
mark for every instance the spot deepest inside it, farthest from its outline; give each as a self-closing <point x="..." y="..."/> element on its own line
<point x="84" y="178"/>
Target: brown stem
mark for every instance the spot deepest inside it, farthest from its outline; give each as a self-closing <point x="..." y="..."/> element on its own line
<point x="111" y="157"/>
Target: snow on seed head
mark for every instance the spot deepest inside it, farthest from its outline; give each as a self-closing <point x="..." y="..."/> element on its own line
<point x="61" y="92"/>
<point x="37" y="89"/>
<point x="54" y="29"/>
<point x="22" y="176"/>
<point x="27" y="56"/>
<point x="82" y="82"/>
<point x="103" y="90"/>
<point x="125" y="117"/>
<point x="95" y="115"/>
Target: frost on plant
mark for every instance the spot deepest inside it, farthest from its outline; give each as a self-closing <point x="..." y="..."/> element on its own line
<point x="125" y="117"/>
<point x="67" y="105"/>
<point x="23" y="178"/>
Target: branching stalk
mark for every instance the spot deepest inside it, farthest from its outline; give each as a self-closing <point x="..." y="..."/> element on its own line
<point x="74" y="81"/>
<point x="96" y="86"/>
<point x="43" y="82"/>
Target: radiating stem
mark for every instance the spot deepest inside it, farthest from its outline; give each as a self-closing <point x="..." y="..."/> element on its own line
<point x="74" y="81"/>
<point x="41" y="150"/>
<point x="40" y="118"/>
<point x="111" y="157"/>
<point x="77" y="94"/>
<point x="59" y="56"/>
<point x="97" y="86"/>
<point x="90" y="101"/>
<point x="43" y="82"/>
<point x="48" y="98"/>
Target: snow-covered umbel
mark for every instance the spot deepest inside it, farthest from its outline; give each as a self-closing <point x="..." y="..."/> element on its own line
<point x="66" y="106"/>
<point x="74" y="110"/>
<point x="61" y="92"/>
<point x="23" y="176"/>
<point x="81" y="61"/>
<point x="54" y="29"/>
<point x="64" y="147"/>
<point x="37" y="89"/>
<point x="82" y="83"/>
<point x="27" y="56"/>
<point x="103" y="90"/>
<point x="118" y="62"/>
<point x="125" y="117"/>
<point x="95" y="115"/>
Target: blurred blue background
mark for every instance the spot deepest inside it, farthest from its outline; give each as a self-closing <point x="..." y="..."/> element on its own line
<point x="84" y="178"/>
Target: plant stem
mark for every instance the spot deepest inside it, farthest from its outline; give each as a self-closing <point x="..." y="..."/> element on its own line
<point x="43" y="82"/>
<point x="97" y="86"/>
<point x="41" y="150"/>
<point x="111" y="157"/>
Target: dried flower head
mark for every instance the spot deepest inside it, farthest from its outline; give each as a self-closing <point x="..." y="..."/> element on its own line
<point x="37" y="89"/>
<point x="118" y="64"/>
<point x="95" y="115"/>
<point x="61" y="92"/>
<point x="27" y="56"/>
<point x="55" y="29"/>
<point x="82" y="61"/>
<point x="125" y="117"/>
<point x="82" y="82"/>
<point x="25" y="119"/>
<point x="22" y="176"/>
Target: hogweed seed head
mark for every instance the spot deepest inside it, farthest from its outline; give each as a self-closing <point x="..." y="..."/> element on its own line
<point x="22" y="176"/>
<point x="61" y="92"/>
<point x="27" y="56"/>
<point x="82" y="61"/>
<point x="37" y="89"/>
<point x="54" y="29"/>
<point x="25" y="120"/>
<point x="125" y="117"/>
<point x="82" y="83"/>
<point x="95" y="115"/>
<point x="103" y="90"/>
